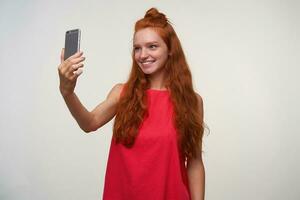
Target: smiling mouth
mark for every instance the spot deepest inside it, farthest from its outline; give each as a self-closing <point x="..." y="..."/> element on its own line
<point x="147" y="62"/>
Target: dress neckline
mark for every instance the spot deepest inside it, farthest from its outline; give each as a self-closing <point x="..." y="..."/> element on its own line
<point x="156" y="90"/>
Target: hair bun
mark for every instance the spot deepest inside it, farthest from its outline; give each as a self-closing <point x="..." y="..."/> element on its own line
<point x="153" y="13"/>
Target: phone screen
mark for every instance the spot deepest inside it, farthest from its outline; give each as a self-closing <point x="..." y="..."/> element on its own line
<point x="72" y="43"/>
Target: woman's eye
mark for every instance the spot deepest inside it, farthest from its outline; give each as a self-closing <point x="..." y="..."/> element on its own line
<point x="136" y="48"/>
<point x="152" y="46"/>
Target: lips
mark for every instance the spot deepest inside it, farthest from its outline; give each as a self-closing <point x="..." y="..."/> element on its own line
<point x="147" y="63"/>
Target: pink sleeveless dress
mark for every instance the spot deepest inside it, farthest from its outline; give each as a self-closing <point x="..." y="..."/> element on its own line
<point x="153" y="169"/>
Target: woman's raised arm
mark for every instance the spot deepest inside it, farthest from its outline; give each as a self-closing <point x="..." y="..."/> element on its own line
<point x="69" y="70"/>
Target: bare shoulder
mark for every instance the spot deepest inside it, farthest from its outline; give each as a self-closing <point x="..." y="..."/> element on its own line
<point x="200" y="100"/>
<point x="115" y="92"/>
<point x="200" y="104"/>
<point x="106" y="110"/>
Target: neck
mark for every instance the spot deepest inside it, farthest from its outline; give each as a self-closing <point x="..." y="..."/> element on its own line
<point x="157" y="81"/>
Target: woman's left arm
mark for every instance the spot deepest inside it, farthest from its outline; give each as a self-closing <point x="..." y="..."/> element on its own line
<point x="195" y="169"/>
<point x="196" y="177"/>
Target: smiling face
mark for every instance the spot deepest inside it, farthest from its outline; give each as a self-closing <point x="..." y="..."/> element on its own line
<point x="150" y="51"/>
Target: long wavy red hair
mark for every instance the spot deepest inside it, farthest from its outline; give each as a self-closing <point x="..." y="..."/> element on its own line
<point x="132" y="107"/>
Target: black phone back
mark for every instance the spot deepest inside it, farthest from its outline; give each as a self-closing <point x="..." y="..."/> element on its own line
<point x="72" y="42"/>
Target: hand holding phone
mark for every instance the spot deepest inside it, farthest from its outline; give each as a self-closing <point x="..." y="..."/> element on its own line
<point x="71" y="63"/>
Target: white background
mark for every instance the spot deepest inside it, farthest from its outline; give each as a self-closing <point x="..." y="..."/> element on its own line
<point x="244" y="58"/>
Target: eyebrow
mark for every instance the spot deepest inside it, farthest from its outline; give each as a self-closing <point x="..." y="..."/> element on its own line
<point x="147" y="43"/>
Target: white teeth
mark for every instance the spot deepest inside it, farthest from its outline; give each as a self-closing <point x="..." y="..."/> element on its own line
<point x="147" y="62"/>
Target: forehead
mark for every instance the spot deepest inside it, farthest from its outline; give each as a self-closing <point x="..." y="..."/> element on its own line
<point x="145" y="36"/>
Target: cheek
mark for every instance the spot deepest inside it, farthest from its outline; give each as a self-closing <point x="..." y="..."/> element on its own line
<point x="136" y="57"/>
<point x="163" y="56"/>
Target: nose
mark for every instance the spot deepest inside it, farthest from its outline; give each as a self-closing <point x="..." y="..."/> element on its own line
<point x="144" y="53"/>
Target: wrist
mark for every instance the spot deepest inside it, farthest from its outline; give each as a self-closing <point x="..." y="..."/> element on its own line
<point x="66" y="94"/>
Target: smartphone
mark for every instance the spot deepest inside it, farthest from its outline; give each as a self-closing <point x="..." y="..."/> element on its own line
<point x="72" y="42"/>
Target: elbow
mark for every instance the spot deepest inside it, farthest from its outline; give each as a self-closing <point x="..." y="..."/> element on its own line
<point x="90" y="127"/>
<point x="86" y="130"/>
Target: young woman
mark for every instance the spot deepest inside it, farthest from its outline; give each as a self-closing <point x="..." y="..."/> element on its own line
<point x="156" y="147"/>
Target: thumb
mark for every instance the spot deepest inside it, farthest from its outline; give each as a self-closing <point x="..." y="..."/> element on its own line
<point x="62" y="54"/>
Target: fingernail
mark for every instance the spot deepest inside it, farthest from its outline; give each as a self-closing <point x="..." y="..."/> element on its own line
<point x="79" y="71"/>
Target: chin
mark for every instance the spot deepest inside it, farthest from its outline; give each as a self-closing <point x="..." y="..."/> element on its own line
<point x="147" y="71"/>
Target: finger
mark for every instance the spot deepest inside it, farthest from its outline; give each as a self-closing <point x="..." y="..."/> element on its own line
<point x="76" y="66"/>
<point x="72" y="68"/>
<point x="78" y="72"/>
<point x="62" y="54"/>
<point x="76" y="55"/>
<point x="67" y="67"/>
<point x="77" y="60"/>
